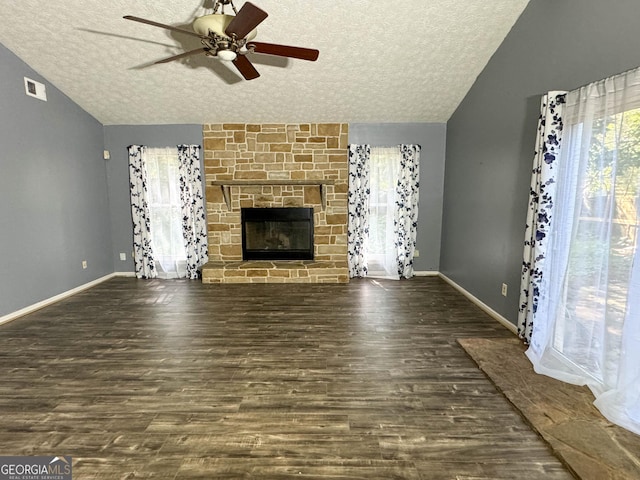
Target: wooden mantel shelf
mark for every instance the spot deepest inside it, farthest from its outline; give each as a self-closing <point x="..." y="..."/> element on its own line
<point x="226" y="185"/>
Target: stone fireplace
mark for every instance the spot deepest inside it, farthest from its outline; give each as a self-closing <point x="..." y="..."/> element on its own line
<point x="281" y="168"/>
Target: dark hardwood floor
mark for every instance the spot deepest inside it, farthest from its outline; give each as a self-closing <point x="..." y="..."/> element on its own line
<point x="179" y="380"/>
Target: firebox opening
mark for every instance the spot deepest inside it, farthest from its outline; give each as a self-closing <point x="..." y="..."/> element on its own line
<point x="277" y="233"/>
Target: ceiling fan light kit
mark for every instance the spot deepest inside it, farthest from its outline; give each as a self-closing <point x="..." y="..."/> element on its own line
<point x="230" y="37"/>
<point x="227" y="55"/>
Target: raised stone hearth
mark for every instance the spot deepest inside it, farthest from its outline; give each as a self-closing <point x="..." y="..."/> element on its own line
<point x="275" y="166"/>
<point x="285" y="271"/>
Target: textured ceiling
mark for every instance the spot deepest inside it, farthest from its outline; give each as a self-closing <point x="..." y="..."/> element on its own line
<point x="411" y="61"/>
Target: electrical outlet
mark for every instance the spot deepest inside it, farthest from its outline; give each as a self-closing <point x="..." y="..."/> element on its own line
<point x="123" y="256"/>
<point x="504" y="289"/>
<point x="84" y="264"/>
<point x="416" y="253"/>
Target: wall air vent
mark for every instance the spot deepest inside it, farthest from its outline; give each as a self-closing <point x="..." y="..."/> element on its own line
<point x="35" y="89"/>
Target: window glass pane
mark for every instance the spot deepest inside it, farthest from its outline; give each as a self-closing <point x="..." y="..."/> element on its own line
<point x="165" y="209"/>
<point x="604" y="245"/>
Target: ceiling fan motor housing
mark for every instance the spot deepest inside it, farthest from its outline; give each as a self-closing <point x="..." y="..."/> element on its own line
<point x="217" y="23"/>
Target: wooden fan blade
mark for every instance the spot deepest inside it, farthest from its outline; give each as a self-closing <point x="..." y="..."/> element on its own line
<point x="245" y="67"/>
<point x="248" y="18"/>
<point x="162" y="25"/>
<point x="182" y="55"/>
<point x="285" y="51"/>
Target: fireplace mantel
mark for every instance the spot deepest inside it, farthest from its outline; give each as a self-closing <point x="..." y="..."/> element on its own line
<point x="226" y="185"/>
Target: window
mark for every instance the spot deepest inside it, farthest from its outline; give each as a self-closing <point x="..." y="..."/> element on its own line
<point x="603" y="245"/>
<point x="165" y="211"/>
<point x="586" y="327"/>
<point x="384" y="170"/>
<point x="383" y="210"/>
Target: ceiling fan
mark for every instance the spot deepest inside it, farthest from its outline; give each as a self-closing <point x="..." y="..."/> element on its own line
<point x="230" y="37"/>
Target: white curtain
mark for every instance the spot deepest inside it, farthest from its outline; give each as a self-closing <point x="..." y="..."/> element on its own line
<point x="194" y="221"/>
<point x="587" y="326"/>
<point x="358" y="209"/>
<point x="383" y="210"/>
<point x="143" y="256"/>
<point x="406" y="211"/>
<point x="542" y="195"/>
<point x="163" y="184"/>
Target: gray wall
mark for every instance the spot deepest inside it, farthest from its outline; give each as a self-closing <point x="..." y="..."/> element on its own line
<point x="555" y="45"/>
<point x="431" y="136"/>
<point x="54" y="210"/>
<point x="116" y="140"/>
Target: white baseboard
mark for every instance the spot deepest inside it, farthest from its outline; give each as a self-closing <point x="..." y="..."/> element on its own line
<point x="426" y="274"/>
<point x="483" y="306"/>
<point x="125" y="274"/>
<point x="52" y="300"/>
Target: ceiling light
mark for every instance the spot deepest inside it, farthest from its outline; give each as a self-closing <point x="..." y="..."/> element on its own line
<point x="227" y="55"/>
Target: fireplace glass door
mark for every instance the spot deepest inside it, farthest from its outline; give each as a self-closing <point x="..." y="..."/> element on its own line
<point x="277" y="233"/>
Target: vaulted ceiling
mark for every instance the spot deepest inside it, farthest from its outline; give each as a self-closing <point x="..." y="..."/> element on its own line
<point x="410" y="61"/>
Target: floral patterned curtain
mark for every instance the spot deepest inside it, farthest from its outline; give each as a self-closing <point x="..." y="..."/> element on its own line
<point x="406" y="213"/>
<point x="540" y="212"/>
<point x="358" y="209"/>
<point x="194" y="222"/>
<point x="142" y="245"/>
